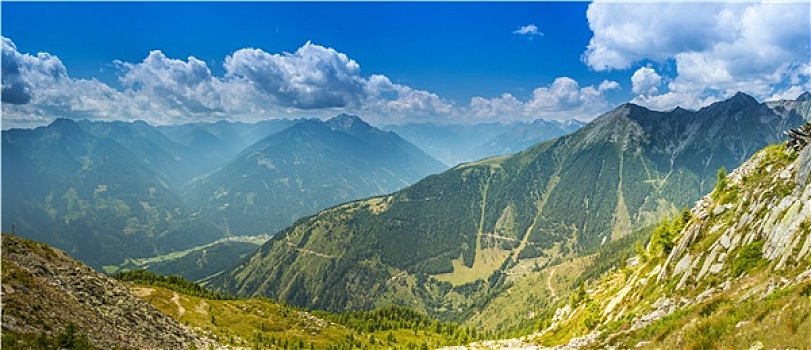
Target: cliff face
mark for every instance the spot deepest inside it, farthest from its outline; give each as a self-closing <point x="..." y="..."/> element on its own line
<point x="45" y="293"/>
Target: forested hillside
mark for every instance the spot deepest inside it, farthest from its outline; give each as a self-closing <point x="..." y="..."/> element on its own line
<point x="448" y="243"/>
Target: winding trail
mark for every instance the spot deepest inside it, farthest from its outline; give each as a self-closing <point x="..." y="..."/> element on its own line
<point x="180" y="309"/>
<point x="549" y="283"/>
<point x="307" y="251"/>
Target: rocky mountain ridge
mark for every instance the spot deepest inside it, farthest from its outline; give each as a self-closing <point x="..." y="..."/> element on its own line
<point x="44" y="292"/>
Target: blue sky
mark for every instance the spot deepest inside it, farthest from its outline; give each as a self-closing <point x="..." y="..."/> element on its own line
<point x="390" y="62"/>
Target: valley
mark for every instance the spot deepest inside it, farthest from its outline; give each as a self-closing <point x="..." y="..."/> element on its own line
<point x="405" y="175"/>
<point x="619" y="292"/>
<point x="471" y="230"/>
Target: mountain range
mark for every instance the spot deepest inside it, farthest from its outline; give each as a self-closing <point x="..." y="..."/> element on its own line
<point x="108" y="191"/>
<point x="568" y="240"/>
<point x="732" y="271"/>
<point x="450" y="242"/>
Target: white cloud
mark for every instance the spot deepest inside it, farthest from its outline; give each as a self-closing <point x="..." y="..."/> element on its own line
<point x="396" y="102"/>
<point x="312" y="81"/>
<point x="25" y="76"/>
<point x="787" y="94"/>
<point x="187" y="88"/>
<point x="645" y="81"/>
<point x="563" y="99"/>
<point x="671" y="99"/>
<point x="312" y="77"/>
<point x="717" y="48"/>
<point x="529" y="29"/>
<point x="38" y="88"/>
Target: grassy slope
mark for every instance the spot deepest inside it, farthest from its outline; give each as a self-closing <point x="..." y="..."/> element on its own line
<point x="264" y="324"/>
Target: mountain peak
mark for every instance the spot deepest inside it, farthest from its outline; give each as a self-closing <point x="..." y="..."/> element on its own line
<point x="345" y="122"/>
<point x="740" y="96"/>
<point x="63" y="122"/>
<point x="805" y="96"/>
<point x="64" y="126"/>
<point x="740" y="101"/>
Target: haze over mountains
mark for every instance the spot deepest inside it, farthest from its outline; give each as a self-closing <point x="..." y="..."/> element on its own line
<point x="458" y="245"/>
<point x="455" y="143"/>
<point x="467" y="227"/>
<point x="304" y="168"/>
<point x="107" y="191"/>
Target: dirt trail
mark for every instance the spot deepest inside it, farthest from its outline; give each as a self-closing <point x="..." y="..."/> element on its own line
<point x="142" y="292"/>
<point x="549" y="283"/>
<point x="176" y="299"/>
<point x="307" y="251"/>
<point x="202" y="308"/>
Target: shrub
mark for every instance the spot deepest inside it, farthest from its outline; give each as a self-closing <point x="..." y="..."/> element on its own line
<point x="750" y="257"/>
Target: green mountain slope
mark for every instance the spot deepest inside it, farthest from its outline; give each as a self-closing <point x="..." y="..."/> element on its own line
<point x="445" y="243"/>
<point x="259" y="323"/>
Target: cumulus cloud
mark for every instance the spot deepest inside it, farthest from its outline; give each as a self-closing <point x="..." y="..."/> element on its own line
<point x="529" y="30"/>
<point x="716" y="48"/>
<point x="312" y="77"/>
<point x="23" y="73"/>
<point x="563" y="99"/>
<point x="645" y="81"/>
<point x="37" y="88"/>
<point x="312" y="81"/>
<point x="186" y="88"/>
<point x="397" y="102"/>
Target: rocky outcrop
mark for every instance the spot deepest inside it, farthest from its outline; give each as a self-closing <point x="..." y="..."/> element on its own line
<point x="773" y="205"/>
<point x="799" y="137"/>
<point x="43" y="291"/>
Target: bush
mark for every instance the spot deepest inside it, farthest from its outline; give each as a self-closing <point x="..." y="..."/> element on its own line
<point x="750" y="257"/>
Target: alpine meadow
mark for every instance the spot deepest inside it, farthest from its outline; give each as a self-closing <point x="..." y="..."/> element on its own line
<point x="406" y="175"/>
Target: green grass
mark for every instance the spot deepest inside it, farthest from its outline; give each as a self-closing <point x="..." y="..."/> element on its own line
<point x="264" y="324"/>
<point x="486" y="262"/>
<point x="749" y="257"/>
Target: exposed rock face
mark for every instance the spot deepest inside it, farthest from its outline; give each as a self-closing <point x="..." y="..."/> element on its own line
<point x="783" y="219"/>
<point x="800" y="137"/>
<point x="44" y="290"/>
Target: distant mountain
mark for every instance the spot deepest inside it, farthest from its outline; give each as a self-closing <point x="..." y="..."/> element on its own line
<point x="520" y="136"/>
<point x="457" y="143"/>
<point x="448" y="143"/>
<point x="147" y="144"/>
<point x="208" y="146"/>
<point x="801" y="106"/>
<point x="108" y="191"/>
<point x="307" y="167"/>
<point x="445" y="243"/>
<point x="92" y="196"/>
